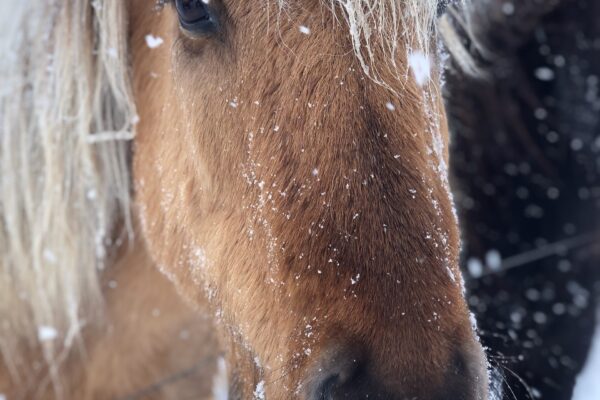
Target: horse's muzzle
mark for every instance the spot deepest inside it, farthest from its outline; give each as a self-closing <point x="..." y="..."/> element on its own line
<point x="345" y="374"/>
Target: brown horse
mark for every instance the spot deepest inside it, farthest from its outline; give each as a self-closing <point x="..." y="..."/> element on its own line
<point x="289" y="177"/>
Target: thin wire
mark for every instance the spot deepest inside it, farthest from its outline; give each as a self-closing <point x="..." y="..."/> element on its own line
<point x="169" y="380"/>
<point x="540" y="253"/>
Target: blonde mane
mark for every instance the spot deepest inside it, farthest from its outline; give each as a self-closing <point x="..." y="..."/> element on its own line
<point x="65" y="83"/>
<point x="66" y="117"/>
<point x="383" y="25"/>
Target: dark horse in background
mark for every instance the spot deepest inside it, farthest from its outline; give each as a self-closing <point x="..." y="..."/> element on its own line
<point x="525" y="117"/>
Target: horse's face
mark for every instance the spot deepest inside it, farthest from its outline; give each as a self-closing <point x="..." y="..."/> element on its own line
<point x="274" y="178"/>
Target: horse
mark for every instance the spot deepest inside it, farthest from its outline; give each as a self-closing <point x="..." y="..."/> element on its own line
<point x="253" y="193"/>
<point x="523" y="110"/>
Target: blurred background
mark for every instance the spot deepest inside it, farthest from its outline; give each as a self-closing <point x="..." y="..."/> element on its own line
<point x="526" y="146"/>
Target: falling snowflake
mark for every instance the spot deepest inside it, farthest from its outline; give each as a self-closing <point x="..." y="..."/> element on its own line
<point x="421" y="67"/>
<point x="153" y="41"/>
<point x="47" y="333"/>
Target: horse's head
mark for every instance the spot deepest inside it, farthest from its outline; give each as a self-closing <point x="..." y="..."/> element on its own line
<point x="306" y="200"/>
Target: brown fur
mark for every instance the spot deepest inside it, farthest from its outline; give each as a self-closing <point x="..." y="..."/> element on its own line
<point x="279" y="244"/>
<point x="149" y="336"/>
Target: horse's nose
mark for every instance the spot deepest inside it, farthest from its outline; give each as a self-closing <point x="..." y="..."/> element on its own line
<point x="349" y="380"/>
<point x="348" y="374"/>
<point x="340" y="367"/>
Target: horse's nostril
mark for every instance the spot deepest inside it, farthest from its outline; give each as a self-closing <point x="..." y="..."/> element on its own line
<point x="466" y="375"/>
<point x="335" y="369"/>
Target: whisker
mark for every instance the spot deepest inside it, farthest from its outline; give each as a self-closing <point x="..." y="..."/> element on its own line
<point x="496" y="366"/>
<point x="521" y="380"/>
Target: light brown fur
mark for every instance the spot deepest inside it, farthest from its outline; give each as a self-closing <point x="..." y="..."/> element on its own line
<point x="233" y="130"/>
<point x="149" y="336"/>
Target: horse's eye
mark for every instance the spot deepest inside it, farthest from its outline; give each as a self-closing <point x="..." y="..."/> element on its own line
<point x="195" y="16"/>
